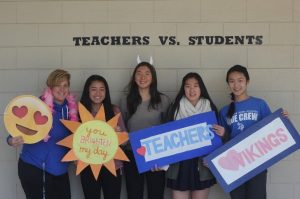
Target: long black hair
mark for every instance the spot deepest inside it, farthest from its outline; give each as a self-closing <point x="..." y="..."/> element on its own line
<point x="134" y="98"/>
<point x="87" y="102"/>
<point x="176" y="104"/>
<point x="240" y="69"/>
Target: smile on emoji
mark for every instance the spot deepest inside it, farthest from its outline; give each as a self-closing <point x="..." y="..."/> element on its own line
<point x="25" y="130"/>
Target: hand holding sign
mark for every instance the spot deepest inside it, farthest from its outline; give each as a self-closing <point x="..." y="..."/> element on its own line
<point x="219" y="130"/>
<point x="15" y="141"/>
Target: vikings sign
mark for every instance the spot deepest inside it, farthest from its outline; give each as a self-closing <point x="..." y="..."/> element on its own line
<point x="253" y="151"/>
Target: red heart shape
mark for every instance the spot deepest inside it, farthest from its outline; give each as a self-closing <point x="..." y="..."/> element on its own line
<point x="20" y="112"/>
<point x="231" y="161"/>
<point x="39" y="118"/>
<point x="141" y="151"/>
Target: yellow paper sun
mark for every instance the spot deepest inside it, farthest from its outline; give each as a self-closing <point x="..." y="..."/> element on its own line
<point x="94" y="142"/>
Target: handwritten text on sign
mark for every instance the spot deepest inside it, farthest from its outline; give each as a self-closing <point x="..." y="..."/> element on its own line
<point x="95" y="142"/>
<point x="253" y="151"/>
<point x="174" y="141"/>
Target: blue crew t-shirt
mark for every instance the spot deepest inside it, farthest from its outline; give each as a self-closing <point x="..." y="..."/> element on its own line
<point x="247" y="113"/>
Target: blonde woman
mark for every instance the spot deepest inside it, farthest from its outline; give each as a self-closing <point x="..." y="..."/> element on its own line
<point x="41" y="172"/>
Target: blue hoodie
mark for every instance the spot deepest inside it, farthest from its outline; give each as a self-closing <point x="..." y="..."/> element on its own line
<point x="49" y="154"/>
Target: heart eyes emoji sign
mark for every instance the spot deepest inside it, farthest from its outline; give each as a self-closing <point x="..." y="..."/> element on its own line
<point x="29" y="117"/>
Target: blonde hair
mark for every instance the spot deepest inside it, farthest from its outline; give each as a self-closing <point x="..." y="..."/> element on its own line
<point x="56" y="77"/>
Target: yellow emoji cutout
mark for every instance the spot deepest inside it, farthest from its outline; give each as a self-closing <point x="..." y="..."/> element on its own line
<point x="29" y="117"/>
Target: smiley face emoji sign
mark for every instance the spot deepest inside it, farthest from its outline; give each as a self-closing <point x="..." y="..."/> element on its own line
<point x="29" y="117"/>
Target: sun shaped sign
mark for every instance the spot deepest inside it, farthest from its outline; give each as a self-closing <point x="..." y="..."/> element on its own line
<point x="94" y="142"/>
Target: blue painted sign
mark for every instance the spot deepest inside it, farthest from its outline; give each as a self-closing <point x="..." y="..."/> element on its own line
<point x="253" y="151"/>
<point x="174" y="141"/>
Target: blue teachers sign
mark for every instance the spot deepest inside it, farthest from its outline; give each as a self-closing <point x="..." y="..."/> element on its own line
<point x="174" y="141"/>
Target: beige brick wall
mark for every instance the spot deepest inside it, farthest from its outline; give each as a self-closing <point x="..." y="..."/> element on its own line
<point x="36" y="37"/>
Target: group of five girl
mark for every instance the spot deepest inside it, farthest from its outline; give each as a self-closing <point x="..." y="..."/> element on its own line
<point x="43" y="175"/>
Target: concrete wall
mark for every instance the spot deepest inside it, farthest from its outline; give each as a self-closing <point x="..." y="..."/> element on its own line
<point x="36" y="37"/>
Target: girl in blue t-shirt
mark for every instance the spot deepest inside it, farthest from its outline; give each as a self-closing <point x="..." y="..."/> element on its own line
<point x="241" y="113"/>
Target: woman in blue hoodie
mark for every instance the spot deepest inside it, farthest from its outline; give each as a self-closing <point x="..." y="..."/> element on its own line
<point x="41" y="172"/>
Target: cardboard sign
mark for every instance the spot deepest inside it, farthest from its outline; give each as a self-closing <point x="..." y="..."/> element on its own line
<point x="174" y="141"/>
<point x="253" y="151"/>
<point x="94" y="142"/>
<point x="29" y="117"/>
